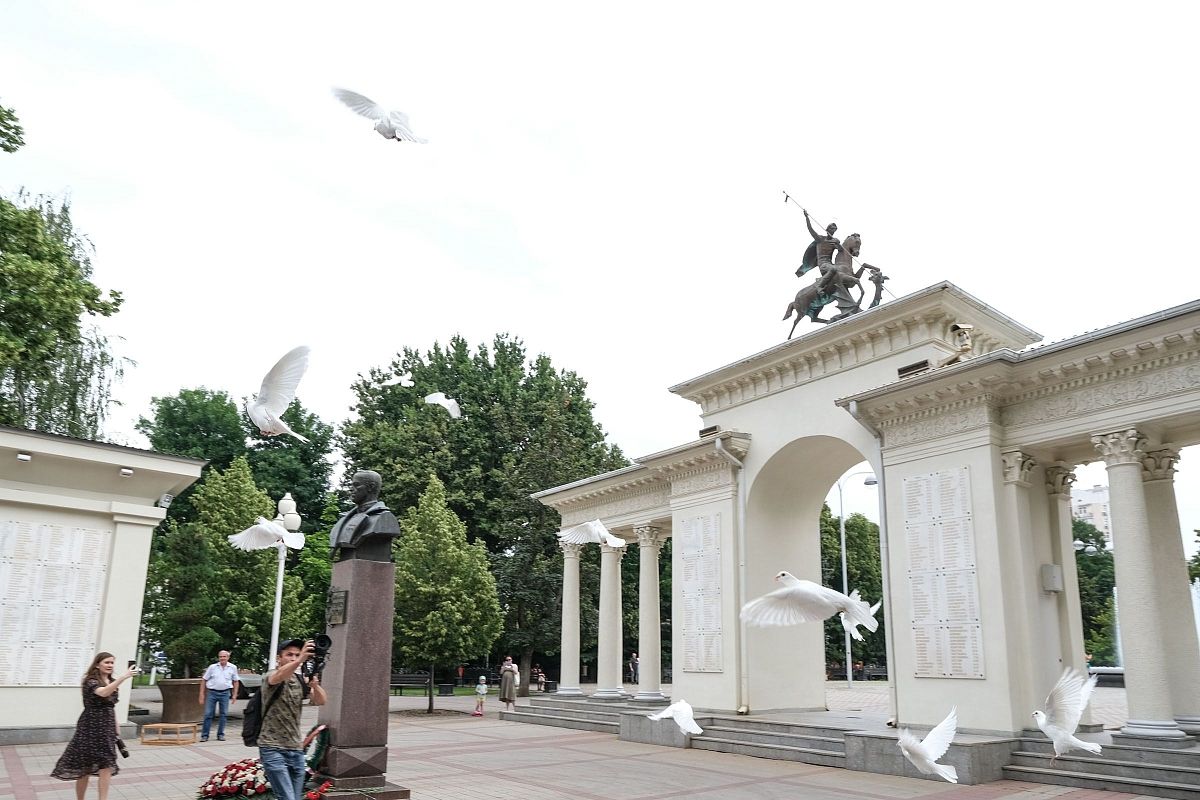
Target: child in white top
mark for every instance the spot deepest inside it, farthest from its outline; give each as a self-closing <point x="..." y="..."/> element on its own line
<point x="481" y="690"/>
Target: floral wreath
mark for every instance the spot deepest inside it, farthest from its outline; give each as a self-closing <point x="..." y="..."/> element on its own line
<point x="246" y="778"/>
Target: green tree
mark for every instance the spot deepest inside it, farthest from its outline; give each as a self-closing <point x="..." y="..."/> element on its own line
<point x="1194" y="562"/>
<point x="446" y="605"/>
<point x="179" y="609"/>
<point x="12" y="136"/>
<point x="527" y="426"/>
<point x="55" y="373"/>
<point x="1096" y="580"/>
<point x="864" y="573"/>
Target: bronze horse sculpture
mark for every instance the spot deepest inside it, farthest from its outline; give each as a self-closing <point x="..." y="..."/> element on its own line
<point x="834" y="287"/>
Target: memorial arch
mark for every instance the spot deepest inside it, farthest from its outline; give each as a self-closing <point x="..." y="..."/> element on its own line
<point x="974" y="457"/>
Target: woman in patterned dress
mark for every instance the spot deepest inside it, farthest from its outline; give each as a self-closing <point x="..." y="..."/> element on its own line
<point x="92" y="750"/>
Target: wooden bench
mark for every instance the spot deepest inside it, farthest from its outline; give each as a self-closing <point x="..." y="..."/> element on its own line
<point x="872" y="673"/>
<point x="409" y="680"/>
<point x="177" y="730"/>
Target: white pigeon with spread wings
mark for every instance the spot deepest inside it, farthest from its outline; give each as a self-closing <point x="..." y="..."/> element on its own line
<point x="277" y="393"/>
<point x="264" y="534"/>
<point x="388" y="124"/>
<point x="804" y="601"/>
<point x="922" y="754"/>
<point x="1064" y="707"/>
<point x="404" y="380"/>
<point x="448" y="403"/>
<point x="681" y="712"/>
<point x="592" y="532"/>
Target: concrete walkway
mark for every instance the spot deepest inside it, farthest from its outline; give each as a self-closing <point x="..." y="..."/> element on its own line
<point x="453" y="756"/>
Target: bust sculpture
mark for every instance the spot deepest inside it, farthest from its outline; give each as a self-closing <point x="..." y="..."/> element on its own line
<point x="366" y="531"/>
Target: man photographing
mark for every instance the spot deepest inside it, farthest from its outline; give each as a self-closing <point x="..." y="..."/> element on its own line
<point x="279" y="741"/>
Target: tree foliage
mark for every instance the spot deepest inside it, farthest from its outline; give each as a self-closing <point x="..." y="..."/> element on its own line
<point x="1096" y="581"/>
<point x="864" y="573"/>
<point x="527" y="426"/>
<point x="55" y="372"/>
<point x="447" y="610"/>
<point x="12" y="136"/>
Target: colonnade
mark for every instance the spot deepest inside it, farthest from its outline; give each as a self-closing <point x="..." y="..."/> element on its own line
<point x="610" y="647"/>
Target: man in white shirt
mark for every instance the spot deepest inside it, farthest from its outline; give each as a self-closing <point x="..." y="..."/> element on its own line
<point x="219" y="688"/>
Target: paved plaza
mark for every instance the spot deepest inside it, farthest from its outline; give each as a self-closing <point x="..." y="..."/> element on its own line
<point x="451" y="756"/>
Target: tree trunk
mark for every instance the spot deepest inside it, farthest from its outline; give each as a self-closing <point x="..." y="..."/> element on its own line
<point x="430" y="710"/>
<point x="526" y="672"/>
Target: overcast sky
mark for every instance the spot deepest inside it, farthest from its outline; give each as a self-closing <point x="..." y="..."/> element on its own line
<point x="604" y="183"/>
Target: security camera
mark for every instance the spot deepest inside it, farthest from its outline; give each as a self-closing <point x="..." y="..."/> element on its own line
<point x="165" y="500"/>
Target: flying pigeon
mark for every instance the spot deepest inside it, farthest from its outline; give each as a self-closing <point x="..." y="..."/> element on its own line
<point x="389" y="124"/>
<point x="1064" y="707"/>
<point x="448" y="403"/>
<point x="277" y="392"/>
<point x="804" y="601"/>
<point x="681" y="712"/>
<point x="400" y="380"/>
<point x="924" y="753"/>
<point x="592" y="532"/>
<point x="264" y="534"/>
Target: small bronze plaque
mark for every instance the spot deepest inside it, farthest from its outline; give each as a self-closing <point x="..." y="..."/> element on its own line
<point x="335" y="611"/>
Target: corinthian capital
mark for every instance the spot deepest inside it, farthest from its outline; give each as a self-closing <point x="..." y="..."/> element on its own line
<point x="1159" y="465"/>
<point x="606" y="549"/>
<point x="570" y="550"/>
<point x="1059" y="479"/>
<point x="1017" y="466"/>
<point x="1121" y="447"/>
<point x="648" y="536"/>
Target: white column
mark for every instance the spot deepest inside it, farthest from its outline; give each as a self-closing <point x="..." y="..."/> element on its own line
<point x="649" y="631"/>
<point x="1017" y="567"/>
<point x="568" y="678"/>
<point x="1146" y="687"/>
<point x="1181" y="650"/>
<point x="609" y="646"/>
<point x="1059" y="479"/>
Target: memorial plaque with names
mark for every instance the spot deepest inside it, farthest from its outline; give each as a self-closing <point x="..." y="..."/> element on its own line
<point x="943" y="586"/>
<point x="700" y="590"/>
<point x="52" y="582"/>
<point x="335" y="611"/>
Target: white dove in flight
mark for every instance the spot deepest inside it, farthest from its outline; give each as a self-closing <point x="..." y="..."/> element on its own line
<point x="1064" y="707"/>
<point x="400" y="380"/>
<point x="681" y="712"/>
<point x="389" y="124"/>
<point x="924" y="753"/>
<point x="804" y="601"/>
<point x="264" y="534"/>
<point x="277" y="392"/>
<point x="592" y="532"/>
<point x="448" y="403"/>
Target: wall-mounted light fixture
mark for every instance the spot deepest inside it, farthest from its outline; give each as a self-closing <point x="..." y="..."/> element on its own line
<point x="24" y="457"/>
<point x="126" y="472"/>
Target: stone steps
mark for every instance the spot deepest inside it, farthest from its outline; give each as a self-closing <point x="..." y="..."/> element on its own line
<point x="1087" y="780"/>
<point x="750" y="736"/>
<point x="589" y="713"/>
<point x="567" y="719"/>
<point x="783" y="752"/>
<point x="772" y="739"/>
<point x="1099" y="766"/>
<point x="1189" y="757"/>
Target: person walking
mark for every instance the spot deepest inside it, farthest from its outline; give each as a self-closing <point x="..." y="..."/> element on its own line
<point x="218" y="689"/>
<point x="93" y="748"/>
<point x="510" y="679"/>
<point x="481" y="690"/>
<point x="279" y="742"/>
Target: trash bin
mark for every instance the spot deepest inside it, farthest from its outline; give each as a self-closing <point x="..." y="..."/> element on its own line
<point x="551" y="687"/>
<point x="445" y="689"/>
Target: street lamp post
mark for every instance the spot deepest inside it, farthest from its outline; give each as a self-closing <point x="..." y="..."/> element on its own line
<point x="869" y="481"/>
<point x="290" y="520"/>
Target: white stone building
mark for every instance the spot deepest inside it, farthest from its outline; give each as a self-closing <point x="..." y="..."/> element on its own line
<point x="1091" y="505"/>
<point x="975" y="464"/>
<point x="76" y="519"/>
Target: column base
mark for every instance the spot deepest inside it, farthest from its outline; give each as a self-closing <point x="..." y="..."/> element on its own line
<point x="374" y="787"/>
<point x="1152" y="732"/>
<point x="649" y="696"/>
<point x="1189" y="723"/>
<point x="569" y="691"/>
<point x="609" y="694"/>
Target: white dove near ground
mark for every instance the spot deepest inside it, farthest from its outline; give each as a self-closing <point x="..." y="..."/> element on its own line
<point x="804" y="601"/>
<point x="400" y="380"/>
<point x="448" y="403"/>
<point x="277" y="392"/>
<point x="389" y="124"/>
<point x="1064" y="707"/>
<point x="681" y="712"/>
<point x="924" y="753"/>
<point x="592" y="532"/>
<point x="264" y="534"/>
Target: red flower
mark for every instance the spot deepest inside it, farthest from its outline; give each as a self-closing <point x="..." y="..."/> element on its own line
<point x="261" y="788"/>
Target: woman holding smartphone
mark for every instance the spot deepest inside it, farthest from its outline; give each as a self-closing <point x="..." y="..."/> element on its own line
<point x="93" y="749"/>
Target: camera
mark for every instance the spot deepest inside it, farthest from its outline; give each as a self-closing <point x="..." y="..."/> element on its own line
<point x="316" y="664"/>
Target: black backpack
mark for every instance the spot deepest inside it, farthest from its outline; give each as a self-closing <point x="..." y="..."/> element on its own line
<point x="252" y="716"/>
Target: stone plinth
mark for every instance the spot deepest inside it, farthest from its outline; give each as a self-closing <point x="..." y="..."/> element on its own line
<point x="357" y="675"/>
<point x="637" y="727"/>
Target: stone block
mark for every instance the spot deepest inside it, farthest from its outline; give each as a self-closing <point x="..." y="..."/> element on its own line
<point x="637" y="727"/>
